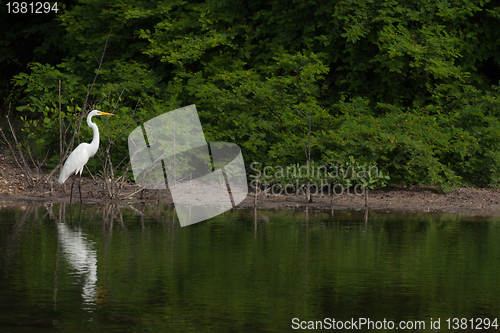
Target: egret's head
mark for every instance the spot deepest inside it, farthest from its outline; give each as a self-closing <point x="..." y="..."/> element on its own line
<point x="99" y="113"/>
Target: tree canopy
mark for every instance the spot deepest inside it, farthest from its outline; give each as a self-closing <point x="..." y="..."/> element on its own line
<point x="411" y="86"/>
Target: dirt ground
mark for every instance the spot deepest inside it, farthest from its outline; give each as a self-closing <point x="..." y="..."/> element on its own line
<point x="464" y="201"/>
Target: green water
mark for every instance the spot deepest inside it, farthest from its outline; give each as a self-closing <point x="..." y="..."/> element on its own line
<point x="134" y="269"/>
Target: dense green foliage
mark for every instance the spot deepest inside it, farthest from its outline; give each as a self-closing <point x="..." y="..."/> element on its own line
<point x="407" y="85"/>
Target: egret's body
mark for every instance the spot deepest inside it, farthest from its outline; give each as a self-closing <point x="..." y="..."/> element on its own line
<point x="80" y="156"/>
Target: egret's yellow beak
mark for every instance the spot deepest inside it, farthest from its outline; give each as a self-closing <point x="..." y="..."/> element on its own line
<point x="105" y="113"/>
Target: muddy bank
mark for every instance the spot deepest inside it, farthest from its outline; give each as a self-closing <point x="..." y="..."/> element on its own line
<point x="464" y="201"/>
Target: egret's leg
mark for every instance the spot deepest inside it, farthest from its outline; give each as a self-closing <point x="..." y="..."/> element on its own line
<point x="72" y="183"/>
<point x="79" y="187"/>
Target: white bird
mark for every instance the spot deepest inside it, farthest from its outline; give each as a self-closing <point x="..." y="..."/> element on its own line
<point x="80" y="156"/>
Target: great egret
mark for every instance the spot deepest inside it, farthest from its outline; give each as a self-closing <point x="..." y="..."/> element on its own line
<point x="80" y="156"/>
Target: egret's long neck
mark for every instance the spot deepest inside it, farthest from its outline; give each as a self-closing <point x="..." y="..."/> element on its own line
<point x="94" y="145"/>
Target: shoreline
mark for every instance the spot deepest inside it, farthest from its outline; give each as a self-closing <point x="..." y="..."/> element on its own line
<point x="423" y="199"/>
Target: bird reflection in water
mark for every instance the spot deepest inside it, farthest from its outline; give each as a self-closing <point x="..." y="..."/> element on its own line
<point x="82" y="258"/>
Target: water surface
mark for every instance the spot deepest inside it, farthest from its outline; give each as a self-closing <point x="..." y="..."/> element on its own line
<point x="108" y="268"/>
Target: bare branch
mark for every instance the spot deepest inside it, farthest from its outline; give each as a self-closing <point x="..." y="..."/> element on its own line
<point x="60" y="125"/>
<point x="11" y="149"/>
<point x="25" y="169"/>
<point x="98" y="69"/>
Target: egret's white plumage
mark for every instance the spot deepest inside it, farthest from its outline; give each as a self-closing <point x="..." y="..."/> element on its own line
<point x="76" y="161"/>
<point x="80" y="156"/>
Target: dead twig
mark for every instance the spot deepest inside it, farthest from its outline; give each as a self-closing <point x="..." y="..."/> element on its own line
<point x="11" y="149"/>
<point x="110" y="184"/>
<point x="25" y="167"/>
